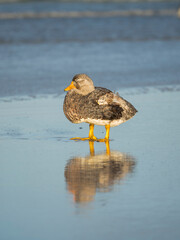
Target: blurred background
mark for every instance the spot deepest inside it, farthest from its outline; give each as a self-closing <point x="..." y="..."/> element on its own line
<point x="43" y="44"/>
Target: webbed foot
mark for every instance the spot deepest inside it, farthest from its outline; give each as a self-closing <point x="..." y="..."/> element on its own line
<point x="92" y="138"/>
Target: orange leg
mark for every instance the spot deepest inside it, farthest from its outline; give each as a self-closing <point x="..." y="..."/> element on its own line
<point x="107" y="134"/>
<point x="91" y="135"/>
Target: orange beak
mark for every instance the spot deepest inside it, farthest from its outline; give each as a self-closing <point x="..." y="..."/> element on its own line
<point x="71" y="86"/>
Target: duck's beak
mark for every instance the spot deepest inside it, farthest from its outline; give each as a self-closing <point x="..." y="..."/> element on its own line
<point x="71" y="86"/>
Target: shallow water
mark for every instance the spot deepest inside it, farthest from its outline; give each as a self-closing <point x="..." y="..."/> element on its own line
<point x="53" y="187"/>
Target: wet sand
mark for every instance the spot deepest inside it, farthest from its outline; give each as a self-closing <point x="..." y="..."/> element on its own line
<point x="56" y="188"/>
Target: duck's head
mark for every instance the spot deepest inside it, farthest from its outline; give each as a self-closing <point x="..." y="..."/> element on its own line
<point x="82" y="84"/>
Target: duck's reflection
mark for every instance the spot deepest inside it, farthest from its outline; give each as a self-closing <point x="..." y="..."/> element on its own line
<point x="86" y="175"/>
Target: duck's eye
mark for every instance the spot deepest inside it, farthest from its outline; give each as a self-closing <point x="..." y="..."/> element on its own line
<point x="76" y="84"/>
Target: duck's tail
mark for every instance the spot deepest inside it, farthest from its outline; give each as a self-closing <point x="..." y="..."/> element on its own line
<point x="128" y="109"/>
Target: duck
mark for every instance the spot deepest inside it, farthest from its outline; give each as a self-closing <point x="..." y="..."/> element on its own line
<point x="96" y="106"/>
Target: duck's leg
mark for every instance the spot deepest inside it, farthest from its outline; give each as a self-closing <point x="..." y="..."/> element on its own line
<point x="107" y="134"/>
<point x="91" y="135"/>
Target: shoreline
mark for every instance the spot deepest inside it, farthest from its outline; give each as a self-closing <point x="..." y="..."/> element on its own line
<point x="124" y="91"/>
<point x="42" y="117"/>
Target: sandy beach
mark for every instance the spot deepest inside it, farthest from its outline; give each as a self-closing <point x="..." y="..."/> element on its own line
<point x="54" y="188"/>
<point x="43" y="188"/>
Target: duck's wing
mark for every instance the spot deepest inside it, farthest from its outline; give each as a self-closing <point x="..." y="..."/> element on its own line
<point x="105" y="97"/>
<point x="100" y="105"/>
<point x="112" y="106"/>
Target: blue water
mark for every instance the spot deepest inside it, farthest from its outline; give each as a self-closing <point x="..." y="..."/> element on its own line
<point x="54" y="188"/>
<point x="39" y="6"/>
<point x="42" y="55"/>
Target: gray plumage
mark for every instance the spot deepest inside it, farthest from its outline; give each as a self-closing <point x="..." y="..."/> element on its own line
<point x="96" y="105"/>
